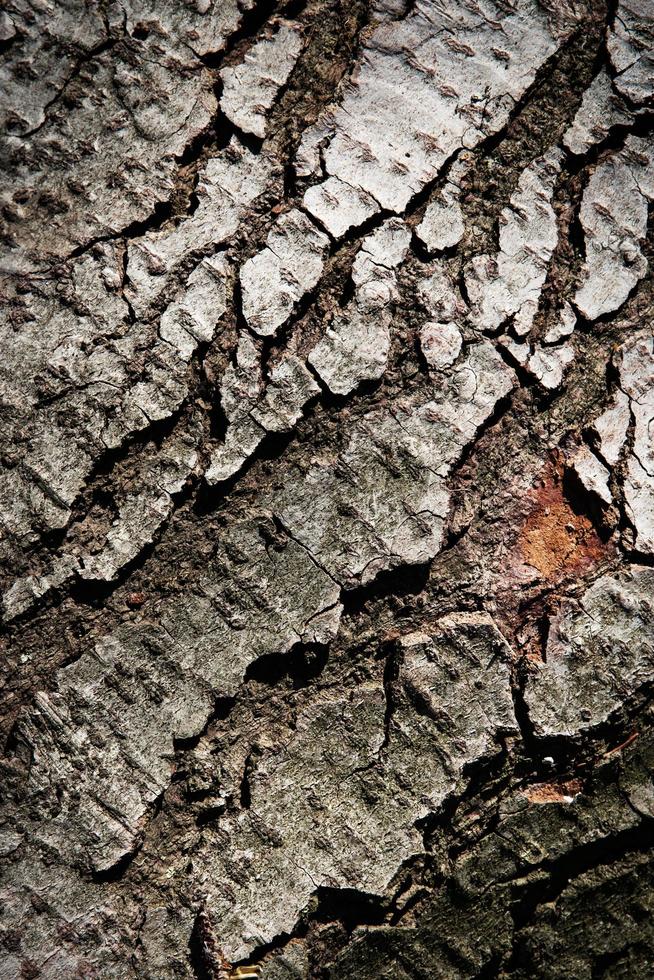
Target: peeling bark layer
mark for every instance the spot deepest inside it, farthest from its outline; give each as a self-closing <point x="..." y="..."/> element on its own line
<point x="327" y="489"/>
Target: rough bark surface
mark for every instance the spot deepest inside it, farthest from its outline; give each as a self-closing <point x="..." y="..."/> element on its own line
<point x="327" y="489"/>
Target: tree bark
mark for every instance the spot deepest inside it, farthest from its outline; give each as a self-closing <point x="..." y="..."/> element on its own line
<point x="327" y="489"/>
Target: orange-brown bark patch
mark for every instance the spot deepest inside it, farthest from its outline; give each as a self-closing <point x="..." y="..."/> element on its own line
<point x="556" y="792"/>
<point x="554" y="539"/>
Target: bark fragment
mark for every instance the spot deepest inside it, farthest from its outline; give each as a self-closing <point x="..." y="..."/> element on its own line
<point x="249" y="89"/>
<point x="355" y="347"/>
<point x="383" y="499"/>
<point x="289" y="266"/>
<point x="630" y="44"/>
<point x="601" y="109"/>
<point x="614" y="218"/>
<point x="599" y="651"/>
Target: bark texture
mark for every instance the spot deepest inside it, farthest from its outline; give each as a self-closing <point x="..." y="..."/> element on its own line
<point x="327" y="489"/>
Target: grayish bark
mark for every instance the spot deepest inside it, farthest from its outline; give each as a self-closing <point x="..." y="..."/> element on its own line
<point x="327" y="490"/>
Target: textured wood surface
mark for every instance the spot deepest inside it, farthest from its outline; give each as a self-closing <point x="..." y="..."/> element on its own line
<point x="327" y="489"/>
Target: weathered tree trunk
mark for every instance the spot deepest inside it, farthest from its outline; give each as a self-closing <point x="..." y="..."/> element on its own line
<point x="327" y="489"/>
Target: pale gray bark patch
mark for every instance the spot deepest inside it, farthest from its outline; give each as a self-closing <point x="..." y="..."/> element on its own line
<point x="592" y="473"/>
<point x="383" y="501"/>
<point x="120" y="705"/>
<point x="440" y="343"/>
<point x="74" y="32"/>
<point x="505" y="289"/>
<point x="193" y="318"/>
<point x="141" y="513"/>
<point x="630" y="44"/>
<point x="428" y="68"/>
<point x="601" y="108"/>
<point x="562" y="326"/>
<point x="137" y="104"/>
<point x="250" y="89"/>
<point x="339" y="206"/>
<point x="240" y="390"/>
<point x="509" y="284"/>
<point x="162" y="472"/>
<point x="442" y="225"/>
<point x="548" y="365"/>
<point x="227" y="186"/>
<point x="637" y="381"/>
<point x="139" y="376"/>
<point x="77" y="397"/>
<point x="276" y="278"/>
<point x="355" y="346"/>
<point x="25" y="592"/>
<point x="254" y="408"/>
<point x="290" y="387"/>
<point x="614" y="219"/>
<point x="599" y="651"/>
<point x="440" y="294"/>
<point x="623" y="437"/>
<point x="611" y="427"/>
